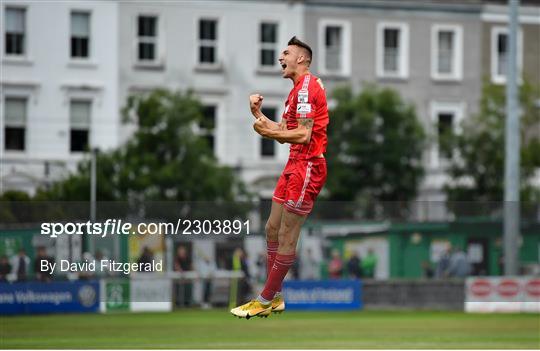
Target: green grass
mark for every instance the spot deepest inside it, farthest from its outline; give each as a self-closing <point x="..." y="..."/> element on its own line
<point x="292" y="330"/>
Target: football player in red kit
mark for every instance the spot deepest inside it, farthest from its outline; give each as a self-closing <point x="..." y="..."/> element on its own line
<point x="303" y="126"/>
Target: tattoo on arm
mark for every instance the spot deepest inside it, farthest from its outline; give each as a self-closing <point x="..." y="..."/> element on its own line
<point x="306" y="122"/>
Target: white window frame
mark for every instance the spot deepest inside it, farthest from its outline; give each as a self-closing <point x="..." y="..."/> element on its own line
<point x="457" y="109"/>
<point x="87" y="59"/>
<point x="218" y="43"/>
<point x="403" y="58"/>
<point x="6" y="97"/>
<point x="93" y="95"/>
<point x="25" y="57"/>
<point x="457" y="52"/>
<point x="158" y="41"/>
<point x="275" y="46"/>
<point x="90" y="102"/>
<point x="346" y="50"/>
<point x="495" y="32"/>
<point x="219" y="128"/>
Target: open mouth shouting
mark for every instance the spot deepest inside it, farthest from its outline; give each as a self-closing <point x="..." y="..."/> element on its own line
<point x="283" y="67"/>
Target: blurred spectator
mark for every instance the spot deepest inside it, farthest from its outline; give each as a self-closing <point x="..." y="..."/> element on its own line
<point x="261" y="267"/>
<point x="353" y="266"/>
<point x="246" y="285"/>
<point x="369" y="264"/>
<point x="183" y="288"/>
<point x="310" y="268"/>
<point x="206" y="269"/>
<point x="459" y="265"/>
<point x="335" y="267"/>
<point x="43" y="271"/>
<point x="427" y="270"/>
<point x="240" y="263"/>
<point x="444" y="264"/>
<point x="181" y="261"/>
<point x="146" y="257"/>
<point x="21" y="265"/>
<point x="5" y="268"/>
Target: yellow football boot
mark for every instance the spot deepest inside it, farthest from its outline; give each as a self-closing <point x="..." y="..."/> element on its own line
<point x="278" y="304"/>
<point x="252" y="309"/>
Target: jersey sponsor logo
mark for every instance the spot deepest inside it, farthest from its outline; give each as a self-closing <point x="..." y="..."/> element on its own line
<point x="303" y="108"/>
<point x="303" y="97"/>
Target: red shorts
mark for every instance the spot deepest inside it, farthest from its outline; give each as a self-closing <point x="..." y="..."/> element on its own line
<point x="300" y="183"/>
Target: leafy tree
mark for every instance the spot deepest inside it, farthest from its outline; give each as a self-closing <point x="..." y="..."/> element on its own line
<point x="164" y="160"/>
<point x="14" y="195"/>
<point x="375" y="147"/>
<point x="477" y="166"/>
<point x="7" y="200"/>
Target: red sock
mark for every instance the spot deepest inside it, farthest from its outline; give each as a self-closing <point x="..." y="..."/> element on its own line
<point x="281" y="266"/>
<point x="271" y="251"/>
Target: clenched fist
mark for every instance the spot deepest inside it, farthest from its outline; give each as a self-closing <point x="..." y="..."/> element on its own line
<point x="255" y="102"/>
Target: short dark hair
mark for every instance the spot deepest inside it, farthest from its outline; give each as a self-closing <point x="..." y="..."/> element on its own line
<point x="297" y="42"/>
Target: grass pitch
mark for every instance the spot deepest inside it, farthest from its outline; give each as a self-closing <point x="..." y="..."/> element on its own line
<point x="291" y="330"/>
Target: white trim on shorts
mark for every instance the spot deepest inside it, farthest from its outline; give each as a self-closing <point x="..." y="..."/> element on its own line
<point x="306" y="182"/>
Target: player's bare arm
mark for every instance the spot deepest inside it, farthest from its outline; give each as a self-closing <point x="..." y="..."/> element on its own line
<point x="308" y="124"/>
<point x="279" y="126"/>
<point x="266" y="123"/>
<point x="299" y="135"/>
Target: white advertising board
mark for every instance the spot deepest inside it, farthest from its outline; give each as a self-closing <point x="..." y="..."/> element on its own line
<point x="151" y="295"/>
<point x="502" y="294"/>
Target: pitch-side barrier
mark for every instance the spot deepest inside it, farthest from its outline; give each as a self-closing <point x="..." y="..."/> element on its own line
<point x="163" y="292"/>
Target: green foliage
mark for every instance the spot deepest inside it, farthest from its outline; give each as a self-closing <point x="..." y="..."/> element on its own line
<point x="375" y="147"/>
<point x="164" y="160"/>
<point x="477" y="168"/>
<point x="17" y="207"/>
<point x="14" y="195"/>
<point x="7" y="214"/>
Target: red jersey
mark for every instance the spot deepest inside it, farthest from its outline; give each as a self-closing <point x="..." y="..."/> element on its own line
<point x="307" y="99"/>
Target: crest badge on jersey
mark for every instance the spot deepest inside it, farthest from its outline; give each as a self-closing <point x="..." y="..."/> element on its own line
<point x="303" y="97"/>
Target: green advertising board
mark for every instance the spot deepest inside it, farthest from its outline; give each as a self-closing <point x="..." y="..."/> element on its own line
<point x="117" y="295"/>
<point x="9" y="245"/>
